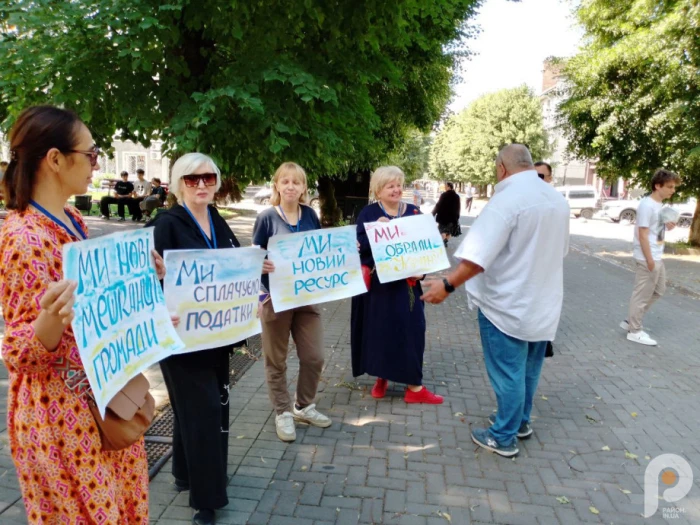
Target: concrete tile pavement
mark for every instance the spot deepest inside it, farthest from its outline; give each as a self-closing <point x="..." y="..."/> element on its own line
<point x="386" y="462"/>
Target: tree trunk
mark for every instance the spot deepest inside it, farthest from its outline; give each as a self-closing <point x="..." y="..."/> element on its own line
<point x="694" y="234"/>
<point x="330" y="212"/>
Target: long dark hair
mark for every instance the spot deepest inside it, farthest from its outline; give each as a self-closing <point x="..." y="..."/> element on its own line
<point x="36" y="131"/>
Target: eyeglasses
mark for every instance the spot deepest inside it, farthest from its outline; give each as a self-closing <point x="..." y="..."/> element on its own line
<point x="92" y="154"/>
<point x="192" y="181"/>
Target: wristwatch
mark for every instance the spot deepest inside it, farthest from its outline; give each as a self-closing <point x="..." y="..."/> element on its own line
<point x="448" y="287"/>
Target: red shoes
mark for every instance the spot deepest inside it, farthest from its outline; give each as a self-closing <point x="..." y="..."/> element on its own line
<point x="379" y="388"/>
<point x="422" y="396"/>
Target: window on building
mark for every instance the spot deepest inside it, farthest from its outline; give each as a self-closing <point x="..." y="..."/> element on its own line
<point x="134" y="161"/>
<point x="582" y="194"/>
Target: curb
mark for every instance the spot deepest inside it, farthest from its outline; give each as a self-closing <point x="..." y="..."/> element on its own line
<point x="678" y="250"/>
<point x="680" y="288"/>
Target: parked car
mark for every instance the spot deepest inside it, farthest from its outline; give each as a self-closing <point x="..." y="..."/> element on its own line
<point x="625" y="211"/>
<point x="583" y="200"/>
<point x="621" y="210"/>
<point x="686" y="209"/>
<point x="263" y="197"/>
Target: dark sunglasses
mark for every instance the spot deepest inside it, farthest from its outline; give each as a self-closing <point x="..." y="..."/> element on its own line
<point x="192" y="181"/>
<point x="92" y="154"/>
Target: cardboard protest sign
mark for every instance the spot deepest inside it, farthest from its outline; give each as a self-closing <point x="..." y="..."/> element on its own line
<point x="121" y="324"/>
<point x="215" y="293"/>
<point x="406" y="247"/>
<point x="314" y="267"/>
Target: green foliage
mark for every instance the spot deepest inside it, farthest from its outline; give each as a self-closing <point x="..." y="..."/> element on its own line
<point x="331" y="85"/>
<point x="412" y="154"/>
<point x="465" y="149"/>
<point x="634" y="96"/>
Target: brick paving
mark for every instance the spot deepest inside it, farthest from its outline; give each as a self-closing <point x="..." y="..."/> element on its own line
<point x="385" y="462"/>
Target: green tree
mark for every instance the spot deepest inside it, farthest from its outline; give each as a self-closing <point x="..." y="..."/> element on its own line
<point x="466" y="147"/>
<point x="633" y="101"/>
<point x="412" y="154"/>
<point x="331" y="85"/>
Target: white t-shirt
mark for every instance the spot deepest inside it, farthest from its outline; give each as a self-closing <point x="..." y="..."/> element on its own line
<point x="520" y="239"/>
<point x="470" y="193"/>
<point x="417" y="196"/>
<point x="648" y="217"/>
<point x="142" y="188"/>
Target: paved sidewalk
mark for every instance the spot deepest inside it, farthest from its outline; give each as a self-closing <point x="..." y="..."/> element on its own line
<point x="386" y="462"/>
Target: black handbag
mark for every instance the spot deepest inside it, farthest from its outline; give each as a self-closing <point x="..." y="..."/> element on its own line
<point x="549" y="351"/>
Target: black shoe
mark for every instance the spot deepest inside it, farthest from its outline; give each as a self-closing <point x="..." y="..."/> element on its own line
<point x="204" y="517"/>
<point x="121" y="219"/>
<point x="181" y="485"/>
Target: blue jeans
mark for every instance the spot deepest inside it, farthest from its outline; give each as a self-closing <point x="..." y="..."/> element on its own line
<point x="514" y="368"/>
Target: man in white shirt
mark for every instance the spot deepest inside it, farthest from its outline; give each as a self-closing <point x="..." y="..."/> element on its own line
<point x="512" y="263"/>
<point x="648" y="250"/>
<point x="469" y="196"/>
<point x="142" y="189"/>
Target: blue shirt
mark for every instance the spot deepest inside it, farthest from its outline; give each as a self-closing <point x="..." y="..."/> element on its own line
<point x="269" y="223"/>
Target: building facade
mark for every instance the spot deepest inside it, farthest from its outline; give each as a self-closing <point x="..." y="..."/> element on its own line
<point x="127" y="156"/>
<point x="567" y="170"/>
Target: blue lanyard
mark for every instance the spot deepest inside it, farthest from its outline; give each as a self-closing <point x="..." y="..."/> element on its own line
<point x="386" y="214"/>
<point x="48" y="214"/>
<point x="291" y="228"/>
<point x="211" y="227"/>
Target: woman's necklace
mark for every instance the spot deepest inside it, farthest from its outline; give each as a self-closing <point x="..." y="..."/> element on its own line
<point x="398" y="214"/>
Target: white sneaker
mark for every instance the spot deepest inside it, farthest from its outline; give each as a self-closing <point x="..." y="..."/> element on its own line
<point x="641" y="338"/>
<point x="312" y="416"/>
<point x="284" y="423"/>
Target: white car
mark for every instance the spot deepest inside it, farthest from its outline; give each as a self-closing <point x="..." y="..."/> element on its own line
<point x="686" y="209"/>
<point x="583" y="200"/>
<point x="623" y="210"/>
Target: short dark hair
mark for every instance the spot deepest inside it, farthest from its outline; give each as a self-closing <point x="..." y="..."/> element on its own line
<point x="124" y="173"/>
<point x="662" y="176"/>
<point x="140" y="170"/>
<point x="542" y="163"/>
<point x="155" y="179"/>
<point x="450" y="185"/>
<point x="37" y="130"/>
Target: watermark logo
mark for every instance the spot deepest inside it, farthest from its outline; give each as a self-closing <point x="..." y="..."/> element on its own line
<point x="676" y="474"/>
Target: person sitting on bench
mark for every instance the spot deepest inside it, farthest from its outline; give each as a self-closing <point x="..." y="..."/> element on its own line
<point x="123" y="195"/>
<point x="155" y="200"/>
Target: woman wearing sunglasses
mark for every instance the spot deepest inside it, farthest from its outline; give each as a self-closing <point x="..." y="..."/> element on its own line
<point x="64" y="475"/>
<point x="197" y="382"/>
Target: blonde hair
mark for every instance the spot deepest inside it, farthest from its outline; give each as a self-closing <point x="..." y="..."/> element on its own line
<point x="289" y="168"/>
<point x="383" y="176"/>
<point x="186" y="165"/>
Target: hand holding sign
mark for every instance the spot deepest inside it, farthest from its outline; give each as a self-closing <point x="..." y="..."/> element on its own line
<point x="59" y="299"/>
<point x="406" y="247"/>
<point x="121" y="324"/>
<point x="215" y="294"/>
<point x="314" y="267"/>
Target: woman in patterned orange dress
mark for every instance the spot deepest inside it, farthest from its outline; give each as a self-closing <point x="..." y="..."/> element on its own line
<point x="64" y="475"/>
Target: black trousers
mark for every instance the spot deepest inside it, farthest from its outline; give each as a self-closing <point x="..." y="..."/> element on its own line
<point x="199" y="398"/>
<point x="126" y="201"/>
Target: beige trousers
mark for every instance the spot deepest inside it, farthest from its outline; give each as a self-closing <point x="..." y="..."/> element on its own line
<point x="304" y="324"/>
<point x="648" y="287"/>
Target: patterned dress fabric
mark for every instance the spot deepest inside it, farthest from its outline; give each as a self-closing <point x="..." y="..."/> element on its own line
<point x="65" y="477"/>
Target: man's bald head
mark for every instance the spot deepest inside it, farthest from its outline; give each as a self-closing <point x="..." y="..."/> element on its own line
<point x="513" y="159"/>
